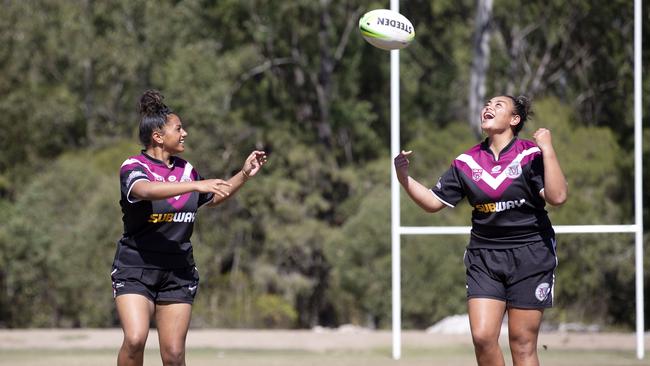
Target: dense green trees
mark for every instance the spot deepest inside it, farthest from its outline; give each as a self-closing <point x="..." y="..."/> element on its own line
<point x="308" y="241"/>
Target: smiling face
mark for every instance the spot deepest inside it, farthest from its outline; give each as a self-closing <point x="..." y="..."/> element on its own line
<point x="173" y="135"/>
<point x="498" y="116"/>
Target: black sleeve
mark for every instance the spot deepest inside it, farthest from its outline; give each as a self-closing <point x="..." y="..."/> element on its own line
<point x="203" y="197"/>
<point x="449" y="189"/>
<point x="536" y="174"/>
<point x="128" y="177"/>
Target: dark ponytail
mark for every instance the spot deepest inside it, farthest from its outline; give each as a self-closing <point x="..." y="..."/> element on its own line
<point x="153" y="113"/>
<point x="522" y="109"/>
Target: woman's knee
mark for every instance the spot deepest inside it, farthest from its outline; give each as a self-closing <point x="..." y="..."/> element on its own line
<point x="484" y="339"/>
<point x="135" y="342"/>
<point x="523" y="345"/>
<point x="173" y="355"/>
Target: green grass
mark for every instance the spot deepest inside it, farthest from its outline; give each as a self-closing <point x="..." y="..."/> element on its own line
<point x="452" y="356"/>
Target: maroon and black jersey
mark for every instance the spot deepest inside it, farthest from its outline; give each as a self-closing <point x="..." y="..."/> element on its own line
<point x="157" y="233"/>
<point x="505" y="194"/>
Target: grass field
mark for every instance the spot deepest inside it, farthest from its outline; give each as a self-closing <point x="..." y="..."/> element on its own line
<point x="458" y="356"/>
<point x="304" y="348"/>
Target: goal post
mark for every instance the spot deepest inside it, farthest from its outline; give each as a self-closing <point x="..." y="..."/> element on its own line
<point x="637" y="228"/>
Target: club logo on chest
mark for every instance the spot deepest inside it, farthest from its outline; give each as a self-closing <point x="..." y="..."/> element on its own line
<point x="476" y="174"/>
<point x="513" y="170"/>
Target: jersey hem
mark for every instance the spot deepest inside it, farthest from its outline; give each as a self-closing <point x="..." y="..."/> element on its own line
<point x="498" y="246"/>
<point x="153" y="266"/>
<point x="127" y="256"/>
<point x="503" y="243"/>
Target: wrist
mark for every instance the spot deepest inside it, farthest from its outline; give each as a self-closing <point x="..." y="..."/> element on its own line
<point x="244" y="174"/>
<point x="547" y="151"/>
<point x="196" y="185"/>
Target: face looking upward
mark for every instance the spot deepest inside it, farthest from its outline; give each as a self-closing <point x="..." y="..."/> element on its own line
<point x="498" y="116"/>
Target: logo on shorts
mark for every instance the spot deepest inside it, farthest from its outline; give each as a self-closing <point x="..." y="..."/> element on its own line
<point x="542" y="291"/>
<point x="476" y="174"/>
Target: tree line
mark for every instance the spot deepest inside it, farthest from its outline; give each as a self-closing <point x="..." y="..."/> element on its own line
<point x="308" y="241"/>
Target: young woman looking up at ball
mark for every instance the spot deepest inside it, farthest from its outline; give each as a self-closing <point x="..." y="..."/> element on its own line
<point x="154" y="274"/>
<point x="510" y="260"/>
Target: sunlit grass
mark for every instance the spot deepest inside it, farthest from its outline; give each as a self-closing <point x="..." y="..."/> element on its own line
<point x="450" y="356"/>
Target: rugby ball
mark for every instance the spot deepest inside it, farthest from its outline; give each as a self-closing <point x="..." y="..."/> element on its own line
<point x="386" y="29"/>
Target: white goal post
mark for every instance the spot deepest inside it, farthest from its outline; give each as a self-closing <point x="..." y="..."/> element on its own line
<point x="637" y="228"/>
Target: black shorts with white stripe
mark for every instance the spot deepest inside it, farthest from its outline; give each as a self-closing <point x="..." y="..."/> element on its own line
<point x="522" y="277"/>
<point x="174" y="285"/>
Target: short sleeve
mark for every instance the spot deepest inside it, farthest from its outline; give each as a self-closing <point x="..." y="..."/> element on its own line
<point x="449" y="189"/>
<point x="536" y="174"/>
<point x="129" y="174"/>
<point x="203" y="197"/>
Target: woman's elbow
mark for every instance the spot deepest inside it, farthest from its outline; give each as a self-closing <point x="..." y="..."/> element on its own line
<point x="216" y="201"/>
<point x="432" y="207"/>
<point x="557" y="199"/>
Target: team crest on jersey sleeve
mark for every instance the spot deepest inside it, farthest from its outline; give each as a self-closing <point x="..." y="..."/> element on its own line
<point x="476" y="174"/>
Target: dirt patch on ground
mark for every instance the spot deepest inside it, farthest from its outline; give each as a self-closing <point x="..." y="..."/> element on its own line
<point x="311" y="340"/>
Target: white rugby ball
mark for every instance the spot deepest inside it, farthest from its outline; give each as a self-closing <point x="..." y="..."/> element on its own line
<point x="386" y="29"/>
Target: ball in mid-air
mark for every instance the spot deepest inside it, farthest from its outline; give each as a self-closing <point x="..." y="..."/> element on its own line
<point x="386" y="29"/>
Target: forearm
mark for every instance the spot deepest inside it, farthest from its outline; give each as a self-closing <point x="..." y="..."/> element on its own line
<point x="421" y="195"/>
<point x="555" y="184"/>
<point x="236" y="181"/>
<point x="151" y="191"/>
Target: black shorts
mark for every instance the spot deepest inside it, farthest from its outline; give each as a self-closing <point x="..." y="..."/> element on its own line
<point x="522" y="277"/>
<point x="175" y="285"/>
